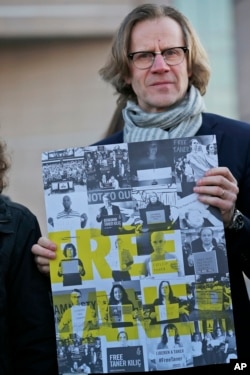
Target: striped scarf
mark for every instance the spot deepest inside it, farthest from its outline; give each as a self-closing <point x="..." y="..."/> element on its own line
<point x="183" y="120"/>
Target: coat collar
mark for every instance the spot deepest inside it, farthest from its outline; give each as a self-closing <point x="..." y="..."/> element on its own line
<point x="209" y="126"/>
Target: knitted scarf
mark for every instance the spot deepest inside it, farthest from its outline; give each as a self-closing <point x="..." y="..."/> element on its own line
<point x="182" y="120"/>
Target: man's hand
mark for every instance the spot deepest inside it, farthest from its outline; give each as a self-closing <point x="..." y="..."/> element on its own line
<point x="219" y="188"/>
<point x="44" y="250"/>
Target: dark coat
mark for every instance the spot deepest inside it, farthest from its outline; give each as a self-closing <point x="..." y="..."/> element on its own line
<point x="27" y="330"/>
<point x="104" y="212"/>
<point x="106" y="228"/>
<point x="233" y="142"/>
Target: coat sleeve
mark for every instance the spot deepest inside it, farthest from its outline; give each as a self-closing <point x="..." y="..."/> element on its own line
<point x="30" y="309"/>
<point x="239" y="241"/>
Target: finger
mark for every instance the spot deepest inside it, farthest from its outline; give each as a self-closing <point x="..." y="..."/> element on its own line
<point x="44" y="269"/>
<point x="219" y="192"/>
<point x="217" y="187"/>
<point x="46" y="243"/>
<point x="222" y="171"/>
<point x="220" y="182"/>
<point x="41" y="261"/>
<point x="39" y="251"/>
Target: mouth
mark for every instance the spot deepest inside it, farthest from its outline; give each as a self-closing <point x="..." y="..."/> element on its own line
<point x="161" y="83"/>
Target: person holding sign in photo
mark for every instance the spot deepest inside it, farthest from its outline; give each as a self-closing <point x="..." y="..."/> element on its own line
<point x="169" y="338"/>
<point x="160" y="257"/>
<point x="120" y="307"/>
<point x="166" y="298"/>
<point x="207" y="243"/>
<point x="106" y="212"/>
<point x="71" y="272"/>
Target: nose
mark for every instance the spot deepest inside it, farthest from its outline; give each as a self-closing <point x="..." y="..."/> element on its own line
<point x="159" y="64"/>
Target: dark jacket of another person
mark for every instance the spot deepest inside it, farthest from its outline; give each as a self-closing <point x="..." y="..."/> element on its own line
<point x="27" y="330"/>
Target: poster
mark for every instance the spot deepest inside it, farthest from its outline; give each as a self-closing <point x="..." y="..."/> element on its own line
<point x="141" y="280"/>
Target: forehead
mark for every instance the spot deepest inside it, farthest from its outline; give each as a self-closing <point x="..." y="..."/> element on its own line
<point x="157" y="237"/>
<point x="164" y="285"/>
<point x="206" y="232"/>
<point x="75" y="295"/>
<point x="164" y="31"/>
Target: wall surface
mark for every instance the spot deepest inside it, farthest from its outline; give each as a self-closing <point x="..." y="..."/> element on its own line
<point x="51" y="97"/>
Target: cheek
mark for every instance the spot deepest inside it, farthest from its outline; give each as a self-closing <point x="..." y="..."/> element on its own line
<point x="128" y="80"/>
<point x="134" y="79"/>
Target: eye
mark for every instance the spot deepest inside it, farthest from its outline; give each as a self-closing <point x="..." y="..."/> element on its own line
<point x="144" y="56"/>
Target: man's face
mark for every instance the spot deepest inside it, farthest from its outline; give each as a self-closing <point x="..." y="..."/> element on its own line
<point x="66" y="202"/>
<point x="162" y="85"/>
<point x="206" y="236"/>
<point x="106" y="201"/>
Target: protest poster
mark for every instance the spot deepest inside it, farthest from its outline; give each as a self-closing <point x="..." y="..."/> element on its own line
<point x="141" y="272"/>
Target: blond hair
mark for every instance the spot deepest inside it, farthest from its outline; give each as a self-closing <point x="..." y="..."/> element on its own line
<point x="116" y="69"/>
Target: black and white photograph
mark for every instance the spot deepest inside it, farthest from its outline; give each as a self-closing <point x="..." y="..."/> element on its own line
<point x="192" y="158"/>
<point x="157" y="208"/>
<point x="67" y="211"/>
<point x="113" y="213"/>
<point x="152" y="164"/>
<point x="63" y="171"/>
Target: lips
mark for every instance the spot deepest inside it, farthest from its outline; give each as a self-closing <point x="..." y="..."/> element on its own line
<point x="161" y="83"/>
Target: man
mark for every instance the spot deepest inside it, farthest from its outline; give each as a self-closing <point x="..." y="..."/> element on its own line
<point x="74" y="317"/>
<point x="109" y="216"/>
<point x="207" y="243"/>
<point x="160" y="69"/>
<point x="69" y="213"/>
